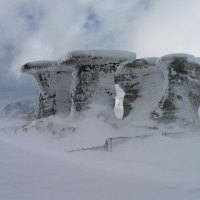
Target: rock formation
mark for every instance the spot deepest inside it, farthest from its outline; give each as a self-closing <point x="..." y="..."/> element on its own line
<point x="54" y="82"/>
<point x="181" y="100"/>
<point x="165" y="89"/>
<point x="93" y="78"/>
<point x="132" y="78"/>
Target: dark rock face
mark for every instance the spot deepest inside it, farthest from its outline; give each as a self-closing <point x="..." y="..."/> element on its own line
<point x="93" y="82"/>
<point x="55" y="93"/>
<point x="47" y="101"/>
<point x="181" y="100"/>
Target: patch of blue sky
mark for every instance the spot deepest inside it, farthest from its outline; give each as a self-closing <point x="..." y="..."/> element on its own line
<point x="92" y="22"/>
<point x="32" y="14"/>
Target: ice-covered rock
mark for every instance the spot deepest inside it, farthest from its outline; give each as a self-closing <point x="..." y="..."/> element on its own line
<point x="165" y="89"/>
<point x="139" y="80"/>
<point x="181" y="99"/>
<point x="93" y="78"/>
<point x="75" y="81"/>
<point x="54" y="82"/>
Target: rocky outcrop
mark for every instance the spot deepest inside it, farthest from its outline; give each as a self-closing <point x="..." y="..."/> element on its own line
<point x="54" y="82"/>
<point x="131" y="79"/>
<point x="71" y="84"/>
<point x="181" y="99"/>
<point x="166" y="90"/>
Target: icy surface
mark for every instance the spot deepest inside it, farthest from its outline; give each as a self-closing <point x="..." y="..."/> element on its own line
<point x="143" y="84"/>
<point x="181" y="100"/>
<point x="119" y="102"/>
<point x="72" y="83"/>
<point x="42" y="65"/>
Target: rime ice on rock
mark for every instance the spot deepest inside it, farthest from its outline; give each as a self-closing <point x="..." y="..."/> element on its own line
<point x="75" y="81"/>
<point x="93" y="76"/>
<point x="54" y="82"/>
<point x="165" y="89"/>
<point x="181" y="100"/>
<point x="132" y="78"/>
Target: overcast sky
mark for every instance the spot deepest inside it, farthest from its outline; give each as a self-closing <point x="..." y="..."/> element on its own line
<point x="47" y="29"/>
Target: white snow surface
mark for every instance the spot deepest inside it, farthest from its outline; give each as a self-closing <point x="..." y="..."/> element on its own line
<point x="36" y="164"/>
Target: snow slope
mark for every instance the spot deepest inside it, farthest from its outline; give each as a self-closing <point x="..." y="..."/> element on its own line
<point x="159" y="167"/>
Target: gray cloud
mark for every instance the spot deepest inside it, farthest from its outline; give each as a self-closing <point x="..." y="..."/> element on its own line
<point x="34" y="30"/>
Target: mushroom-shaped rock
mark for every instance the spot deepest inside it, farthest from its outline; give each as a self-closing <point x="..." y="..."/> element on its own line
<point x="75" y="81"/>
<point x="93" y="77"/>
<point x="181" y="99"/>
<point x="54" y="82"/>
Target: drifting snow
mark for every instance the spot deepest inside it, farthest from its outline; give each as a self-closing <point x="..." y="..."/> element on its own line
<point x="37" y="166"/>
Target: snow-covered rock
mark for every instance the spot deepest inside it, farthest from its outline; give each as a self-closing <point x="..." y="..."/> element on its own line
<point x="54" y="82"/>
<point x="73" y="82"/>
<point x="139" y="79"/>
<point x="117" y="85"/>
<point x="181" y="100"/>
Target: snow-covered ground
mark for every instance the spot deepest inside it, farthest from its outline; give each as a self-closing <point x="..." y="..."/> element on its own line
<point x="37" y="165"/>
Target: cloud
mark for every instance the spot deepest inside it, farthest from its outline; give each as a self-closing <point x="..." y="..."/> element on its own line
<point x="31" y="49"/>
<point x="170" y="26"/>
<point x="92" y="22"/>
<point x="49" y="29"/>
<point x="34" y="30"/>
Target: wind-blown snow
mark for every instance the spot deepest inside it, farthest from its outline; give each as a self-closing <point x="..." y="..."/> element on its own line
<point x="34" y="166"/>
